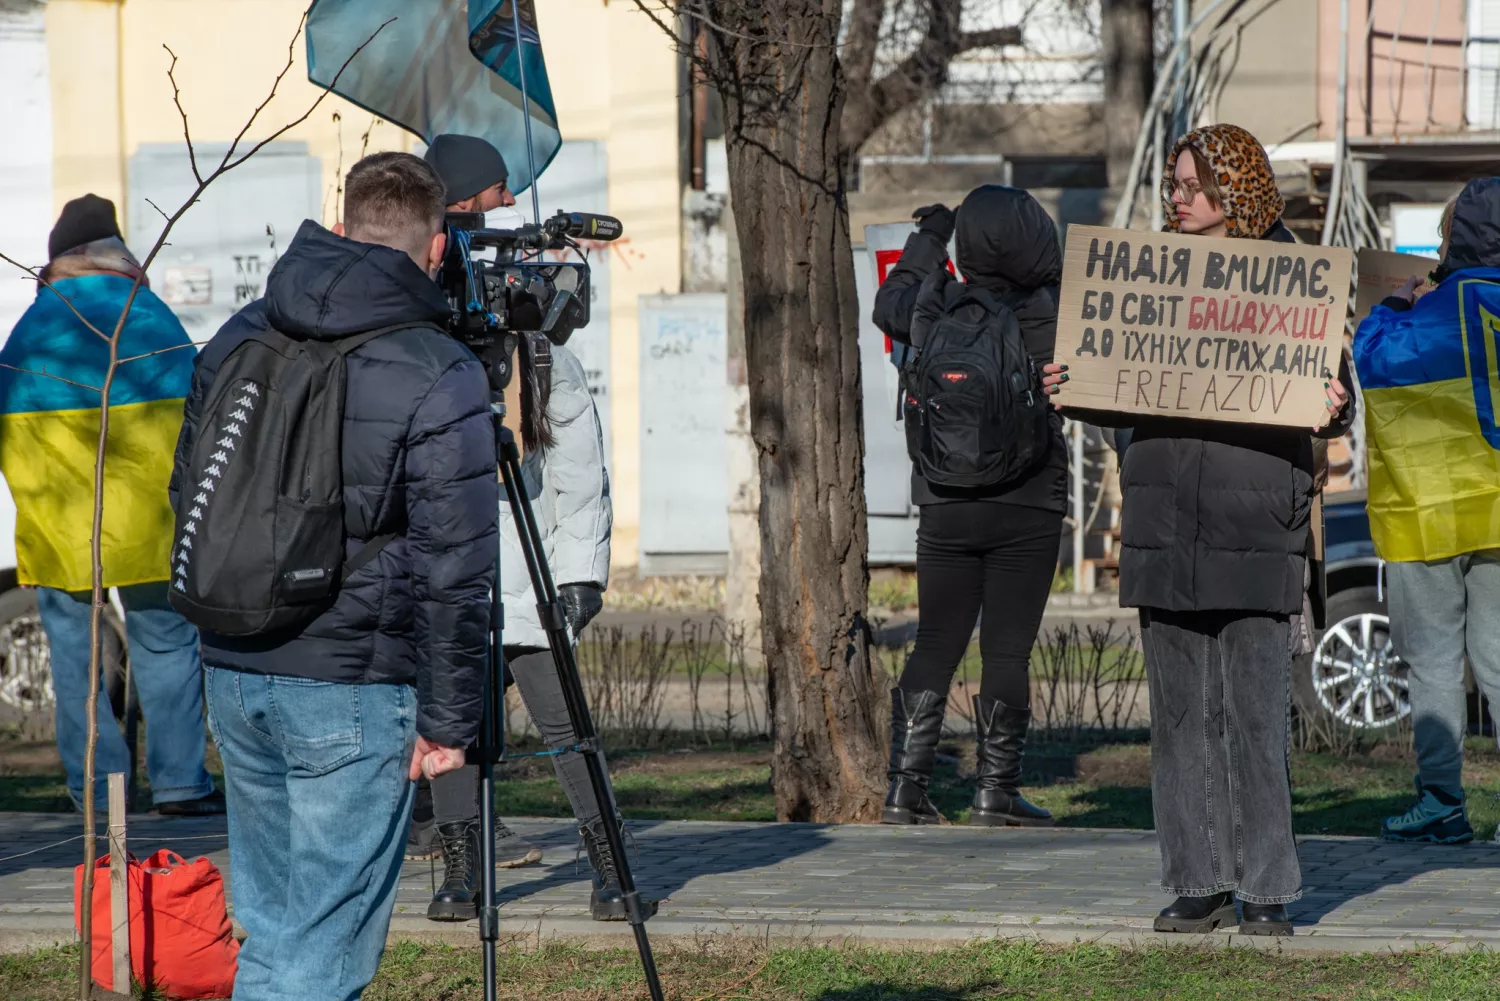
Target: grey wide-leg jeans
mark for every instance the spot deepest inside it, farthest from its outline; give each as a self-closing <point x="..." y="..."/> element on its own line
<point x="1439" y="612"/>
<point x="1220" y="686"/>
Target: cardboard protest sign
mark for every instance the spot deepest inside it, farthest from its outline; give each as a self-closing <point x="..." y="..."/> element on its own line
<point x="1200" y="327"/>
<point x="1381" y="273"/>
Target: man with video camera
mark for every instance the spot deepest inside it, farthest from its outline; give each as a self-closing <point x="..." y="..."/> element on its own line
<point x="563" y="472"/>
<point x="345" y="677"/>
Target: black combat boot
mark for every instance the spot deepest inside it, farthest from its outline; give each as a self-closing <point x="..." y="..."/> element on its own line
<point x="607" y="902"/>
<point x="916" y="724"/>
<point x="1002" y="737"/>
<point x="1265" y="919"/>
<point x="1197" y="915"/>
<point x="458" y="898"/>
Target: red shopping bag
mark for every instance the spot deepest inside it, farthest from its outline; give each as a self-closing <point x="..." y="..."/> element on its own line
<point x="180" y="937"/>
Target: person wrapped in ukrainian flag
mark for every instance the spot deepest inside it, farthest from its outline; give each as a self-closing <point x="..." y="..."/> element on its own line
<point x="1428" y="366"/>
<point x="51" y="370"/>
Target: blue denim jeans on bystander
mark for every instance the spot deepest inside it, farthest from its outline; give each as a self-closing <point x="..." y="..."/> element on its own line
<point x="319" y="799"/>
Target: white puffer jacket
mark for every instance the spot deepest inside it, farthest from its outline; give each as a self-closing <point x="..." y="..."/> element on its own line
<point x="569" y="491"/>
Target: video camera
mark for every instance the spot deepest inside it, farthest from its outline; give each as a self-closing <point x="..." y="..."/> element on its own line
<point x="494" y="301"/>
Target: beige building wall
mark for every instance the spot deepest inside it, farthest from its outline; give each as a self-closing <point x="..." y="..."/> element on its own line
<point x="1272" y="77"/>
<point x="110" y="94"/>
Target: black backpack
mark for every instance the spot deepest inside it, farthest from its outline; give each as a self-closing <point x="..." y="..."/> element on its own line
<point x="972" y="399"/>
<point x="259" y="542"/>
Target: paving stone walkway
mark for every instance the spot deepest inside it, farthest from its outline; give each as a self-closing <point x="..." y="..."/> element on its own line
<point x="813" y="882"/>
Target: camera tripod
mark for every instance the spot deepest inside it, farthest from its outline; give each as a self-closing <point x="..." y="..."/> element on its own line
<point x="492" y="729"/>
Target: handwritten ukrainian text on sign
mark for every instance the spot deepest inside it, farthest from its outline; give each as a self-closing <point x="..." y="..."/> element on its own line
<point x="1213" y="329"/>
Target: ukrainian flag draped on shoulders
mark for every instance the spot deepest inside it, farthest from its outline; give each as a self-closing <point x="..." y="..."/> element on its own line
<point x="49" y="428"/>
<point x="1431" y="391"/>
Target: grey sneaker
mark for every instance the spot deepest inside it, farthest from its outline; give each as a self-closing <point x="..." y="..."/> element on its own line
<point x="512" y="850"/>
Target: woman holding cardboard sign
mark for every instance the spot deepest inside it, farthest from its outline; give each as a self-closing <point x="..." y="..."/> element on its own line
<point x="1213" y="542"/>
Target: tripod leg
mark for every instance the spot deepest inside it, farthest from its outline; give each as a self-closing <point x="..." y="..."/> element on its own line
<point x="561" y="643"/>
<point x="491" y="750"/>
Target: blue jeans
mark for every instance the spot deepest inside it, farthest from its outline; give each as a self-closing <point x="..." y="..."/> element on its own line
<point x="316" y="778"/>
<point x="168" y="678"/>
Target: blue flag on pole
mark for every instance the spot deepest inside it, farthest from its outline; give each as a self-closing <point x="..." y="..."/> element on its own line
<point x="441" y="66"/>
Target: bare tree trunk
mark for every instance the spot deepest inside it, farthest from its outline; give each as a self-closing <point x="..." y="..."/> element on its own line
<point x="801" y="347"/>
<point x="1129" y="75"/>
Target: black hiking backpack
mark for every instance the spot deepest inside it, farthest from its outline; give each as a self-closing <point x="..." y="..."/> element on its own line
<point x="972" y="399"/>
<point x="259" y="541"/>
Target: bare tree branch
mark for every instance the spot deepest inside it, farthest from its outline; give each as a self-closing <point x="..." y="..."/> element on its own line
<point x="920" y="74"/>
<point x="158" y="351"/>
<point x="48" y="375"/>
<point x="291" y="55"/>
<point x="861" y="43"/>
<point x="308" y="113"/>
<point x="158" y="207"/>
<point x="187" y="136"/>
<point x="37" y="275"/>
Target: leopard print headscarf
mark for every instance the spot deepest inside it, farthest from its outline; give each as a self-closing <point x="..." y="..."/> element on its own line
<point x="1252" y="204"/>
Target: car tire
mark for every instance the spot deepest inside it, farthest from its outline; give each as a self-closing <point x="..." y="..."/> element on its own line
<point x="1344" y="606"/>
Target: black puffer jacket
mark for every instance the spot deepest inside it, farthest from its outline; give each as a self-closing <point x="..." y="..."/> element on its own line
<point x="1008" y="244"/>
<point x="1216" y="515"/>
<point x="418" y="461"/>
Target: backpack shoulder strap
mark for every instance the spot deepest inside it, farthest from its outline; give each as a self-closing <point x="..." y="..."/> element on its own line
<point x="367" y="552"/>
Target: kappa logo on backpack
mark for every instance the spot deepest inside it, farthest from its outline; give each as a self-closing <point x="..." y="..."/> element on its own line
<point x="259" y="545"/>
<point x="972" y="401"/>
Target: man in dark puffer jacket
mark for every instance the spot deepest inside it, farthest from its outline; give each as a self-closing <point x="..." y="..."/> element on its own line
<point x="321" y="731"/>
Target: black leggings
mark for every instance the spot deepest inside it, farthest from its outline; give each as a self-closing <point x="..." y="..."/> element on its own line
<point x="973" y="556"/>
<point x="455" y="795"/>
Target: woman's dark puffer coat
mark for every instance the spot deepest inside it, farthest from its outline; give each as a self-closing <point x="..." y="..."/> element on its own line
<point x="1007" y="244"/>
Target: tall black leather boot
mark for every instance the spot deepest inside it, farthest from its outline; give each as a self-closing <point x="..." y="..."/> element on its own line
<point x="458" y="898"/>
<point x="607" y="901"/>
<point x="1002" y="737"/>
<point x="916" y="724"/>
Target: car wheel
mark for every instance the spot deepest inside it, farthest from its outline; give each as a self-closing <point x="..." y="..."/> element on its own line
<point x="1353" y="674"/>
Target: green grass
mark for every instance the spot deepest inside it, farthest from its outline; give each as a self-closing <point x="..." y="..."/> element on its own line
<point x="978" y="972"/>
<point x="1083" y="785"/>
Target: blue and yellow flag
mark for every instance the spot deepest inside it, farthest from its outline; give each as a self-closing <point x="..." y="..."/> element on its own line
<point x="49" y="432"/>
<point x="1431" y="387"/>
<point x="442" y="66"/>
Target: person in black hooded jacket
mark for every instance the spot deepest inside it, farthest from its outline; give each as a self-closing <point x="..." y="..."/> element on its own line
<point x="322" y="729"/>
<point x="1214" y="537"/>
<point x="988" y="549"/>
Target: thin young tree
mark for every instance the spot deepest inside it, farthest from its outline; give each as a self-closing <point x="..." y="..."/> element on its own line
<point x="240" y="150"/>
<point x="801" y="95"/>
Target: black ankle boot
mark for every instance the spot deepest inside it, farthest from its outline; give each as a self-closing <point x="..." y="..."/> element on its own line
<point x="916" y="724"/>
<point x="1265" y="919"/>
<point x="1002" y="737"/>
<point x="607" y="901"/>
<point x="458" y="898"/>
<point x="1197" y="915"/>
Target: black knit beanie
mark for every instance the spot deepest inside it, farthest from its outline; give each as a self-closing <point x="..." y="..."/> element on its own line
<point x="83" y="220"/>
<point x="466" y="165"/>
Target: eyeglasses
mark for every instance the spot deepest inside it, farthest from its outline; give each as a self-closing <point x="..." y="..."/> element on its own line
<point x="1190" y="190"/>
